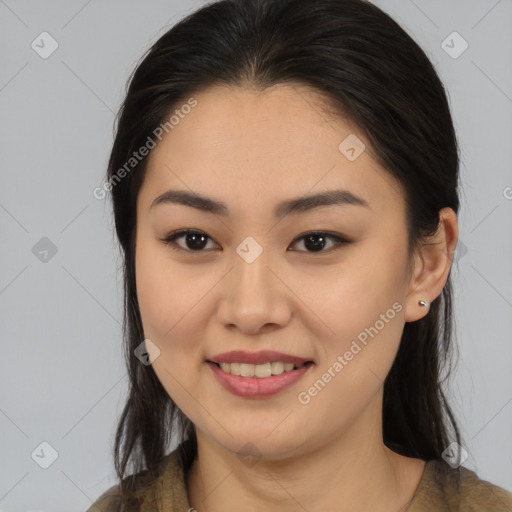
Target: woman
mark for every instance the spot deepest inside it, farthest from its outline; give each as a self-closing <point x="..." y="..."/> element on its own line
<point x="285" y="182"/>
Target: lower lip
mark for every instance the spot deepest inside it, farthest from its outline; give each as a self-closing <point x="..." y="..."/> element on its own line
<point x="255" y="387"/>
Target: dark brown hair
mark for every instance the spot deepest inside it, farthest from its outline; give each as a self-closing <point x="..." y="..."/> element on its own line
<point x="375" y="75"/>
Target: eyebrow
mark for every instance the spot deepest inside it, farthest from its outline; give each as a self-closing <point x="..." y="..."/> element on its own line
<point x="288" y="207"/>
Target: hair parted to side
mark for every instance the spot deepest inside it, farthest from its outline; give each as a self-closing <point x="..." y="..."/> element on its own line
<point x="372" y="72"/>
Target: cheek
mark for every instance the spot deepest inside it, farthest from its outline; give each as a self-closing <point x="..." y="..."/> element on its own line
<point x="166" y="295"/>
<point x="352" y="299"/>
<point x="166" y="300"/>
<point x="364" y="313"/>
<point x="152" y="294"/>
<point x="354" y="366"/>
<point x="174" y="316"/>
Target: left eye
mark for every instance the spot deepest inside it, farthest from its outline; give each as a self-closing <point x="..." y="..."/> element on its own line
<point x="317" y="240"/>
<point x="195" y="241"/>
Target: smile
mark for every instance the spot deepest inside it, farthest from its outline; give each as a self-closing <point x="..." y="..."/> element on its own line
<point x="259" y="370"/>
<point x="258" y="380"/>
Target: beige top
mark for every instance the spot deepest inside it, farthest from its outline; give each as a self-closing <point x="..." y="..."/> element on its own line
<point x="441" y="489"/>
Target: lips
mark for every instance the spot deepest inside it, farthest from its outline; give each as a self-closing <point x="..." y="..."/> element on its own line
<point x="257" y="387"/>
<point x="264" y="356"/>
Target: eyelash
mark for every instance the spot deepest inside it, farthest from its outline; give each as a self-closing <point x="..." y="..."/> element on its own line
<point x="170" y="240"/>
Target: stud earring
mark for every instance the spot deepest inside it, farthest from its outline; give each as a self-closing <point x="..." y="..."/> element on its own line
<point x="423" y="303"/>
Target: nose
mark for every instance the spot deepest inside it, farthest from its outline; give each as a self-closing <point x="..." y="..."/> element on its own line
<point x="254" y="297"/>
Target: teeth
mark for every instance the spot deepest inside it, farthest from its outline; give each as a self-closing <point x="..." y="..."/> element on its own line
<point x="277" y="368"/>
<point x="246" y="370"/>
<point x="258" y="370"/>
<point x="262" y="370"/>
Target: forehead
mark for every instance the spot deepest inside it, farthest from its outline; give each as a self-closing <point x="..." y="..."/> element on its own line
<point x="254" y="145"/>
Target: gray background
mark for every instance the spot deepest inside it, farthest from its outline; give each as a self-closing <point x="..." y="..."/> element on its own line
<point x="62" y="379"/>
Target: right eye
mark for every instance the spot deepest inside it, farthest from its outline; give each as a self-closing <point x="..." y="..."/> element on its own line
<point x="195" y="241"/>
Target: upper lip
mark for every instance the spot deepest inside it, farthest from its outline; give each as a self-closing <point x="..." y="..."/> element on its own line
<point x="265" y="356"/>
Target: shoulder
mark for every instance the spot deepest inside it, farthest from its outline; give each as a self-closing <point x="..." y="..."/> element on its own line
<point x="109" y="501"/>
<point x="146" y="489"/>
<point x="447" y="489"/>
<point x="477" y="494"/>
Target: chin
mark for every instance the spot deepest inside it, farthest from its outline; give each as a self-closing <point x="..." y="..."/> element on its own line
<point x="261" y="446"/>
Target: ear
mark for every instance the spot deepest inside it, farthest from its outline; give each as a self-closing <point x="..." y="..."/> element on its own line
<point x="432" y="266"/>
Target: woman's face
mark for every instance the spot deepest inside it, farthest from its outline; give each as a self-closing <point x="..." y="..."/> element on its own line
<point x="257" y="282"/>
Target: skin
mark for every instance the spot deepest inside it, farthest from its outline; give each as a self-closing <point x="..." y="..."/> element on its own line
<point x="251" y="150"/>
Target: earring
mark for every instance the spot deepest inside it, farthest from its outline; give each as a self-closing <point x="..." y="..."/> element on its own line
<point x="423" y="303"/>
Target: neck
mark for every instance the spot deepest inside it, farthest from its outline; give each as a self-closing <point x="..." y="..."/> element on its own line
<point x="355" y="472"/>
